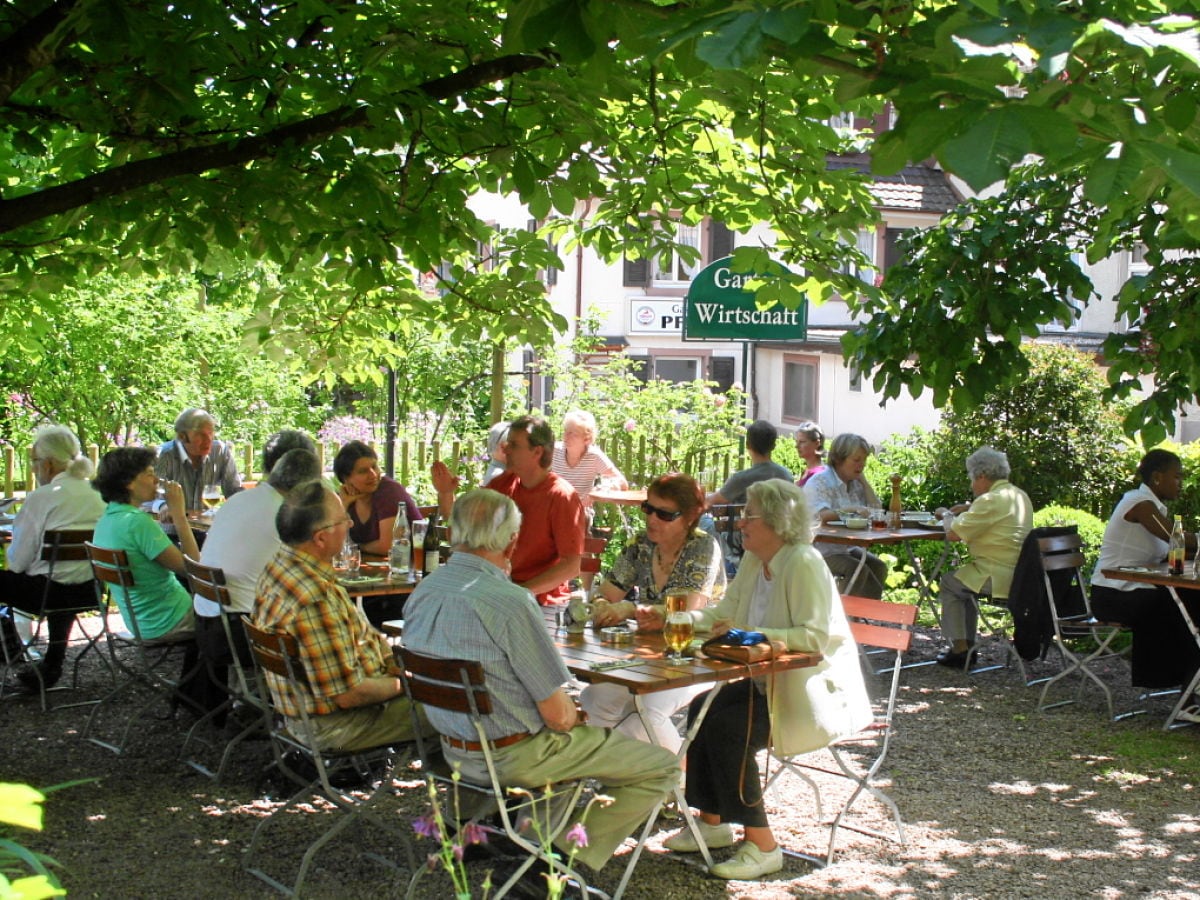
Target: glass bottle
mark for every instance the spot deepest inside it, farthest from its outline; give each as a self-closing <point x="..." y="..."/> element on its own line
<point x="894" y="508"/>
<point x="1176" y="549"/>
<point x="400" y="555"/>
<point x="433" y="554"/>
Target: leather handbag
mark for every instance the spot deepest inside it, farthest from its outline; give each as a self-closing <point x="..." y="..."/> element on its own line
<point x="739" y="646"/>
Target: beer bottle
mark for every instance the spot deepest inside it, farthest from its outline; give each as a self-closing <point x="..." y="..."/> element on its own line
<point x="433" y="554"/>
<point x="1176" y="549"/>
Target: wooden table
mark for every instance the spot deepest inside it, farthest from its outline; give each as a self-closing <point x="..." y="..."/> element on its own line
<point x="866" y="538"/>
<point x="1173" y="583"/>
<point x="583" y="651"/>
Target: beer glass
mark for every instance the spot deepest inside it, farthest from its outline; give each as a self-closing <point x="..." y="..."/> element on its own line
<point x="678" y="629"/>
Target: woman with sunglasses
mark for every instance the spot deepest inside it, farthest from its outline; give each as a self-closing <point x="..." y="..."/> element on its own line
<point x="671" y="554"/>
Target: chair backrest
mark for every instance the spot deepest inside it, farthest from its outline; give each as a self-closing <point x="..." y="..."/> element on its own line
<point x="455" y="685"/>
<point x="111" y="569"/>
<point x="207" y="581"/>
<point x="593" y="554"/>
<point x="877" y="623"/>
<point x="110" y="566"/>
<point x="1062" y="561"/>
<point x="276" y="652"/>
<point x="65" y="545"/>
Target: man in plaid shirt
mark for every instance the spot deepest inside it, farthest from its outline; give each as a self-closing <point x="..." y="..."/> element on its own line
<point x="352" y="694"/>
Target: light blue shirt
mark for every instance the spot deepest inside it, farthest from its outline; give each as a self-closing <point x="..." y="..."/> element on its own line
<point x="469" y="609"/>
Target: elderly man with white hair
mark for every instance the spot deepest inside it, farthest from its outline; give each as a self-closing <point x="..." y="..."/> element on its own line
<point x="195" y="458"/>
<point x="470" y="609"/>
<point x="994" y="527"/>
<point x="65" y="500"/>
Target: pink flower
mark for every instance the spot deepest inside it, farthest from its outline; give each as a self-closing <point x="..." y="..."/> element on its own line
<point x="577" y="836"/>
<point x="630" y="425"/>
<point x="426" y="826"/>
<point x="458" y="851"/>
<point x="474" y="833"/>
<point x="720" y="400"/>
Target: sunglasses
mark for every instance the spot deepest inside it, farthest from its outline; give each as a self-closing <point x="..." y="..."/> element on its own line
<point x="665" y="514"/>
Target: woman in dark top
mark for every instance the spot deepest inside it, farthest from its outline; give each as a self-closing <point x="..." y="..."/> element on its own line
<point x="371" y="498"/>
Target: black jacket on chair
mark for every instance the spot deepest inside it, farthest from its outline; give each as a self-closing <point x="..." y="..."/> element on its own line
<point x="1033" y="620"/>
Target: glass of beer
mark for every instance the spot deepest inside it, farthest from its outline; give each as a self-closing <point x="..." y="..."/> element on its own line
<point x="419" y="528"/>
<point x="210" y="496"/>
<point x="678" y="629"/>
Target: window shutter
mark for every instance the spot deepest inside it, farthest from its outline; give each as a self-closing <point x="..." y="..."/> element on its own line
<point x="637" y="272"/>
<point x="720" y="370"/>
<point x="720" y="241"/>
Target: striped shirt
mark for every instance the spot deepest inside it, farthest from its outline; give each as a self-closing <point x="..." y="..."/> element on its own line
<point x="219" y="467"/>
<point x="299" y="594"/>
<point x="582" y="476"/>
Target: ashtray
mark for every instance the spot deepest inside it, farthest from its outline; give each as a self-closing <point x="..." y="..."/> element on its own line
<point x="618" y="635"/>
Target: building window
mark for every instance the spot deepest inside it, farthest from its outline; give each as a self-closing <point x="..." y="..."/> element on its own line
<point x="865" y="244"/>
<point x="799" y="388"/>
<point x="856" y="377"/>
<point x="670" y="272"/>
<point x="676" y="369"/>
<point x="671" y="268"/>
<point x="1137" y="260"/>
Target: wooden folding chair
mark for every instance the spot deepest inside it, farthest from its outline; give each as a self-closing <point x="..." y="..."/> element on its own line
<point x="209" y="582"/>
<point x="593" y="555"/>
<point x="279" y="653"/>
<point x="60" y="545"/>
<point x="143" y="662"/>
<point x="1064" y="553"/>
<point x="457" y="685"/>
<point x="889" y="627"/>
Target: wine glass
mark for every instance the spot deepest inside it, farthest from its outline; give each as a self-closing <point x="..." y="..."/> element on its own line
<point x="210" y="496"/>
<point x="678" y="629"/>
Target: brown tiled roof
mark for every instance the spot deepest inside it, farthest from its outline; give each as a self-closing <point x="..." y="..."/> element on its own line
<point x="919" y="188"/>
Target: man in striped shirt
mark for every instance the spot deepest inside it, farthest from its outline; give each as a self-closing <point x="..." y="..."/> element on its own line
<point x="195" y="458"/>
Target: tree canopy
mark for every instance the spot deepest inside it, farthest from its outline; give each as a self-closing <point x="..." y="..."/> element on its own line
<point x="341" y="140"/>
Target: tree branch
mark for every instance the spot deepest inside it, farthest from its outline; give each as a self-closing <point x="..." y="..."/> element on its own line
<point x="28" y="208"/>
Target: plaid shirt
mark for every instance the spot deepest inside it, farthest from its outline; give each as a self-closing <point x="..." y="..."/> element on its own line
<point x="299" y="594"/>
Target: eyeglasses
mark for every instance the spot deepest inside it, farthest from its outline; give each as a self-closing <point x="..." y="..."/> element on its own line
<point x="746" y="518"/>
<point x="666" y="515"/>
<point x="344" y="520"/>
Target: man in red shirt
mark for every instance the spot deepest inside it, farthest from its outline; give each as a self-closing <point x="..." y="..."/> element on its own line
<point x="550" y="542"/>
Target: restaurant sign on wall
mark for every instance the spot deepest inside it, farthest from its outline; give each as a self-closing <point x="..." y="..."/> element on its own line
<point x="720" y="308"/>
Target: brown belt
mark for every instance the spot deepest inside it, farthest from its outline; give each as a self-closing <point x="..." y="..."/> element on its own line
<point x="497" y="744"/>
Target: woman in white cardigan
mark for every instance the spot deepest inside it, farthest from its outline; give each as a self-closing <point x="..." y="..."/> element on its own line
<point x="785" y="590"/>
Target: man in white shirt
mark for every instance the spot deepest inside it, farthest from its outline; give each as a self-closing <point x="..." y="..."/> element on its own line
<point x="65" y="500"/>
<point x="241" y="541"/>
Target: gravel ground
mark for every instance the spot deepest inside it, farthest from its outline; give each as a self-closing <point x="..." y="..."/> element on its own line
<point x="998" y="801"/>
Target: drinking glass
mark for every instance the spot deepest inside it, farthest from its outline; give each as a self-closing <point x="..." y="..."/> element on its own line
<point x="879" y="519"/>
<point x="211" y="496"/>
<point x="352" y="555"/>
<point x="678" y="629"/>
<point x="419" y="529"/>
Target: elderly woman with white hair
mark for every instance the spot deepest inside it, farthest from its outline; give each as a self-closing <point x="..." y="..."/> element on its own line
<point x="842" y="486"/>
<point x="65" y="500"/>
<point x="579" y="460"/>
<point x="994" y="527"/>
<point x="784" y="590"/>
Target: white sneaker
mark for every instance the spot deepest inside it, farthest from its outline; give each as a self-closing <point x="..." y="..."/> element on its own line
<point x="715" y="837"/>
<point x="749" y="863"/>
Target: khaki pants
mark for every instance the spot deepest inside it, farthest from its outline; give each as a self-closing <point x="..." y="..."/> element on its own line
<point x="365" y="727"/>
<point x="637" y="776"/>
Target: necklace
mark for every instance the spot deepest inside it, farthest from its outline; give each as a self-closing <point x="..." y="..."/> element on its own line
<point x="662" y="558"/>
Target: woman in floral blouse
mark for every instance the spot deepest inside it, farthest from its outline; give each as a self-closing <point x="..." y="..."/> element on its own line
<point x="671" y="554"/>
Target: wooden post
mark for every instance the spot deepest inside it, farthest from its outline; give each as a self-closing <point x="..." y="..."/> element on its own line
<point x="497" y="405"/>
